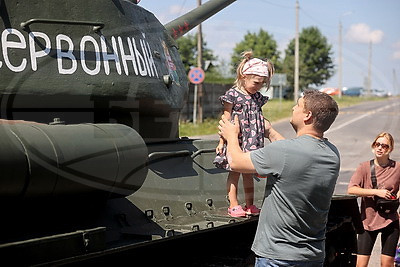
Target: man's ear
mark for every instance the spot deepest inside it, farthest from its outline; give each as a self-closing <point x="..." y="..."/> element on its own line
<point x="308" y="117"/>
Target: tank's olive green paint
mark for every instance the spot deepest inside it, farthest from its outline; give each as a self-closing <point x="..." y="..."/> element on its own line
<point x="44" y="161"/>
<point x="118" y="93"/>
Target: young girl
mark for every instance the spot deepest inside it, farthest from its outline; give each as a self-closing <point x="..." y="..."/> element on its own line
<point x="245" y="101"/>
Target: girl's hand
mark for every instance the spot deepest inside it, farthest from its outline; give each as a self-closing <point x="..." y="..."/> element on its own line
<point x="219" y="148"/>
<point x="383" y="193"/>
<point x="267" y="125"/>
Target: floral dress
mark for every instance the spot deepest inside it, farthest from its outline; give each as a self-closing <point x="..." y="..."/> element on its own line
<point x="251" y="120"/>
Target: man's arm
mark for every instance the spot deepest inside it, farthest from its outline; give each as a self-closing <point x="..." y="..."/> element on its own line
<point x="239" y="161"/>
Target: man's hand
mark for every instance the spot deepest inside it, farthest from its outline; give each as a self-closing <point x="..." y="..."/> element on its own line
<point x="239" y="161"/>
<point x="227" y="129"/>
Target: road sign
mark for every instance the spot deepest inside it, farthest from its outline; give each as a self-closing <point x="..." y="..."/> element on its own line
<point x="278" y="79"/>
<point x="196" y="75"/>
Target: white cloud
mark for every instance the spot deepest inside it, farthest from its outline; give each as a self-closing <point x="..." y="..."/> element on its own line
<point x="361" y="33"/>
<point x="396" y="53"/>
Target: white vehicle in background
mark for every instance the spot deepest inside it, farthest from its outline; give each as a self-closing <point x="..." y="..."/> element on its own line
<point x="375" y="92"/>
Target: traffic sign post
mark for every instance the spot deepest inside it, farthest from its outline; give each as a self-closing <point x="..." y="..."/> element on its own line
<point x="196" y="76"/>
<point x="281" y="80"/>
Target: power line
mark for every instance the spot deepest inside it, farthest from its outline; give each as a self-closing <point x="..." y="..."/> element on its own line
<point x="182" y="6"/>
<point x="302" y="11"/>
<point x="275" y="4"/>
<point x="318" y="22"/>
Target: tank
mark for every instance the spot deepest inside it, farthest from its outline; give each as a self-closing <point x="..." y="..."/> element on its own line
<point x="92" y="167"/>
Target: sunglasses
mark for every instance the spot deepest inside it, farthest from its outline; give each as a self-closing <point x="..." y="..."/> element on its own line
<point x="384" y="146"/>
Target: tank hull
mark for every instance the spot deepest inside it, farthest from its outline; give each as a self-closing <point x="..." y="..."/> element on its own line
<point x="179" y="214"/>
<point x="182" y="199"/>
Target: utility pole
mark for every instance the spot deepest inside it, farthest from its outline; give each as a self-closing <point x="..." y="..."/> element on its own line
<point x="296" y="56"/>
<point x="200" y="65"/>
<point x="369" y="83"/>
<point x="394" y="83"/>
<point x="340" y="59"/>
<point x="340" y="74"/>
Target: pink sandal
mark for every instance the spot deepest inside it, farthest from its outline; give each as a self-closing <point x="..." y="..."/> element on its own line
<point x="252" y="210"/>
<point x="237" y="211"/>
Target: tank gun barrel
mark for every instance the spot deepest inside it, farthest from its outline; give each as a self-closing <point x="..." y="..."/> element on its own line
<point x="185" y="23"/>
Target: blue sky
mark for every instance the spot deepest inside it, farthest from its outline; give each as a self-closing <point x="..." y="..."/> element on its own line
<point x="362" y="20"/>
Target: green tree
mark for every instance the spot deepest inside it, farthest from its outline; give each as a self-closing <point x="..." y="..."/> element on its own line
<point x="188" y="51"/>
<point x="315" y="62"/>
<point x="263" y="46"/>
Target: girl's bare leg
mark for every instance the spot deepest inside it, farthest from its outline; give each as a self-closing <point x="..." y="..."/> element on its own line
<point x="248" y="185"/>
<point x="232" y="186"/>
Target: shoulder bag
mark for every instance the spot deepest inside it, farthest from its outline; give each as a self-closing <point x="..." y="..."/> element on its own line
<point x="383" y="205"/>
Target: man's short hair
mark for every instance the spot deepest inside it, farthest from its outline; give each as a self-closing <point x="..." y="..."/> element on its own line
<point x="323" y="107"/>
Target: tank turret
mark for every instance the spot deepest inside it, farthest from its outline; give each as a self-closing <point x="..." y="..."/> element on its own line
<point x="94" y="62"/>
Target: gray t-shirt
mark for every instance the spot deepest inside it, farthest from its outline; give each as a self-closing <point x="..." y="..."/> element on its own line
<point x="302" y="174"/>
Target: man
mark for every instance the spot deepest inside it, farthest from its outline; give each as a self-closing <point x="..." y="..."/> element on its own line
<point x="301" y="177"/>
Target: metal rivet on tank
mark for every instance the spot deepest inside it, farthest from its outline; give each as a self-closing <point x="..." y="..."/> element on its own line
<point x="166" y="211"/>
<point x="210" y="224"/>
<point x="169" y="233"/>
<point x="149" y="214"/>
<point x="57" y="121"/>
<point x="167" y="80"/>
<point x="188" y="206"/>
<point x="85" y="240"/>
<point x="195" y="227"/>
<point x="209" y="202"/>
<point x="156" y="54"/>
